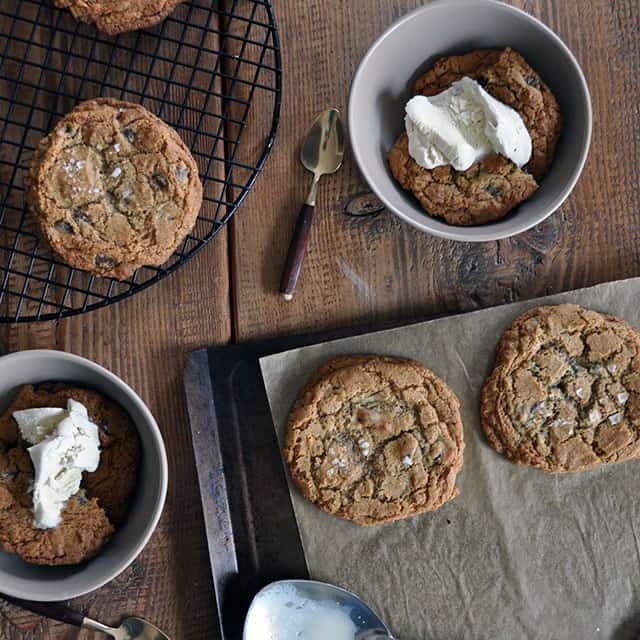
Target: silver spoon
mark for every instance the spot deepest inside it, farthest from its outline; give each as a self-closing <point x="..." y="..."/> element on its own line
<point x="367" y="622"/>
<point x="130" y="629"/>
<point x="322" y="153"/>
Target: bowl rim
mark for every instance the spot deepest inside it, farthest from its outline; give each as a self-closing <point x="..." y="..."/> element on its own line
<point x="483" y="232"/>
<point x="154" y="430"/>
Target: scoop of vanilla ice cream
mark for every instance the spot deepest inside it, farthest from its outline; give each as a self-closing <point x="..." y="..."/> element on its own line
<point x="462" y="125"/>
<point x="37" y="424"/>
<point x="65" y="443"/>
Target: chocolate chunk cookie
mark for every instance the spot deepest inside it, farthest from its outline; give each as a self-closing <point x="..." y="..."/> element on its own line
<point x="507" y="76"/>
<point x="486" y="191"/>
<point x="84" y="529"/>
<point x="117" y="16"/>
<point x="89" y="519"/>
<point x="492" y="187"/>
<point x="113" y="482"/>
<point x="565" y="391"/>
<point x="373" y="439"/>
<point x="113" y="188"/>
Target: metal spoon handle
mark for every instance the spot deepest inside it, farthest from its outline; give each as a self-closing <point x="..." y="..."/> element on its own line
<point x="297" y="251"/>
<point x="53" y="610"/>
<point x="88" y="623"/>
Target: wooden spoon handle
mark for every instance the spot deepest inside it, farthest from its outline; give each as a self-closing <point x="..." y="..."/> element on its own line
<point x="53" y="610"/>
<point x="297" y="251"/>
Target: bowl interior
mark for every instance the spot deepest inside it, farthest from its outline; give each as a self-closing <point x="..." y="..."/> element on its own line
<point x="24" y="580"/>
<point x="383" y="84"/>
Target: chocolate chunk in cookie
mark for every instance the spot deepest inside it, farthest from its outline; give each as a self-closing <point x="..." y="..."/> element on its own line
<point x="565" y="391"/>
<point x="373" y="439"/>
<point x="120" y="16"/>
<point x="113" y="188"/>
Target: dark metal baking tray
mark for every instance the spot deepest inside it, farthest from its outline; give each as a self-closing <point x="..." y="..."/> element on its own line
<point x="251" y="529"/>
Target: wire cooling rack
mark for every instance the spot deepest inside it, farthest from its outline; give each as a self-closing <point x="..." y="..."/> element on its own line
<point x="212" y="70"/>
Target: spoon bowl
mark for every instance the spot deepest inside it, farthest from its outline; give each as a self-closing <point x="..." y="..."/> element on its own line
<point x="323" y="147"/>
<point x="300" y="594"/>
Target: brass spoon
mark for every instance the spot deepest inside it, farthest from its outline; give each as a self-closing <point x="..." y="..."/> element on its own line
<point x="322" y="153"/>
<point x="130" y="629"/>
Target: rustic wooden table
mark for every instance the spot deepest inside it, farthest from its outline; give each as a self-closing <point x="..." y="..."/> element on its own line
<point x="360" y="269"/>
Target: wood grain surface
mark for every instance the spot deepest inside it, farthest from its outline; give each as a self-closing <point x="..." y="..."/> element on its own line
<point x="363" y="266"/>
<point x="144" y="340"/>
<point x="360" y="270"/>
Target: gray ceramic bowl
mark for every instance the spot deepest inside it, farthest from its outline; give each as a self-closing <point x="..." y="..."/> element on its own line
<point x="382" y="86"/>
<point x="23" y="580"/>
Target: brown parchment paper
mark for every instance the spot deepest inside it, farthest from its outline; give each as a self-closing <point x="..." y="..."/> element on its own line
<point x="520" y="553"/>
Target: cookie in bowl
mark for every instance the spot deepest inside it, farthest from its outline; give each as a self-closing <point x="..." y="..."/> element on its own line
<point x="113" y="188"/>
<point x="373" y="439"/>
<point x="68" y="468"/>
<point x="118" y="17"/>
<point x="481" y="133"/>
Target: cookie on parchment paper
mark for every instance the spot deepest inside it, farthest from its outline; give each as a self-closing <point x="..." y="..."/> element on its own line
<point x="113" y="188"/>
<point x="565" y="391"/>
<point x="374" y="439"/>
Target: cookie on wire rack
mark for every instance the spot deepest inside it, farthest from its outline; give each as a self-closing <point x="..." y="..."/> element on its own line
<point x="119" y="17"/>
<point x="113" y="188"/>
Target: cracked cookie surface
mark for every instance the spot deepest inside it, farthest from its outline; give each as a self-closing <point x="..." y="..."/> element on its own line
<point x="90" y="518"/>
<point x="492" y="187"/>
<point x="565" y="391"/>
<point x="113" y="188"/>
<point x="486" y="191"/>
<point x="373" y="439"/>
<point x="118" y="16"/>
